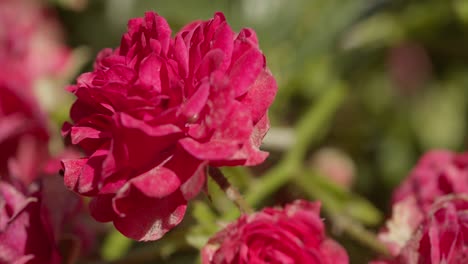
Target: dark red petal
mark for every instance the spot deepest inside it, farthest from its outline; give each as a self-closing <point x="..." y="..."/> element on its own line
<point x="144" y="217"/>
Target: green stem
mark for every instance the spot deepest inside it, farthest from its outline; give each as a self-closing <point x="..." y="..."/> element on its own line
<point x="231" y="192"/>
<point x="269" y="183"/>
<point x="359" y="233"/>
<point x="314" y="122"/>
<point x="314" y="189"/>
<point x="308" y="131"/>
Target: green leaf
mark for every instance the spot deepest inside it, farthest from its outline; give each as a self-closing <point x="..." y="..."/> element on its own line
<point x="380" y="30"/>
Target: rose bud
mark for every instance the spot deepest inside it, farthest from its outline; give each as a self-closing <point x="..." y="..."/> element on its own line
<point x="335" y="165"/>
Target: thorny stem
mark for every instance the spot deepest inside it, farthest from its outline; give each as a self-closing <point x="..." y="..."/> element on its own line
<point x="231" y="192"/>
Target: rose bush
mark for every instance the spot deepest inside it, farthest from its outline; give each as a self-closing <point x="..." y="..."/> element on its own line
<point x="156" y="111"/>
<point x="294" y="234"/>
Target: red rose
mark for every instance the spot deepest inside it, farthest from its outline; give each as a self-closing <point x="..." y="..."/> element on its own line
<point x="443" y="236"/>
<point x="26" y="235"/>
<point x="23" y="131"/>
<point x="437" y="173"/>
<point x="156" y="111"/>
<point x="294" y="234"/>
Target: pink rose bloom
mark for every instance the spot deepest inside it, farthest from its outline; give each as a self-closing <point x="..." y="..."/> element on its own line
<point x="34" y="223"/>
<point x="291" y="235"/>
<point x="437" y="173"/>
<point x="31" y="40"/>
<point x="156" y="111"/>
<point x="442" y="236"/>
<point x="26" y="234"/>
<point x="23" y="131"/>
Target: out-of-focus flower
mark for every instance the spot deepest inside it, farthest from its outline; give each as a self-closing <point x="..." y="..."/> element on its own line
<point x="335" y="165"/>
<point x="70" y="219"/>
<point x="383" y="261"/>
<point x="438" y="173"/>
<point x="23" y="131"/>
<point x="26" y="234"/>
<point x="398" y="230"/>
<point x="294" y="234"/>
<point x="67" y="214"/>
<point x="156" y="111"/>
<point x="442" y="237"/>
<point x="42" y="212"/>
<point x="409" y="67"/>
<point x="31" y="40"/>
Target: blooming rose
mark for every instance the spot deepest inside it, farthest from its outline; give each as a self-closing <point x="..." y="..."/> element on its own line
<point x="437" y="173"/>
<point x="294" y="234"/>
<point x="26" y="235"/>
<point x="442" y="237"/>
<point x="23" y="131"/>
<point x="156" y="111"/>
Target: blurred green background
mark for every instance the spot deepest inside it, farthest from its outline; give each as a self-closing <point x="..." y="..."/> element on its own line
<point x="372" y="83"/>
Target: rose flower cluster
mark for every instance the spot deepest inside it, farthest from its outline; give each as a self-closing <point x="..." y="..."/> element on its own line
<point x="156" y="111"/>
